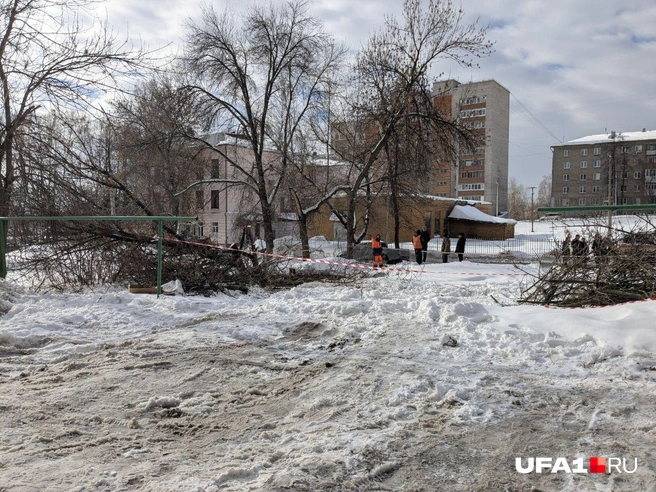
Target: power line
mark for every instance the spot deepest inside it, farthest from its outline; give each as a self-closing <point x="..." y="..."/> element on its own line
<point x="534" y="119"/>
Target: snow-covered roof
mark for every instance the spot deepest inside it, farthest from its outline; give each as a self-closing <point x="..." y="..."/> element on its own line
<point x="465" y="212"/>
<point x="287" y="216"/>
<point x="609" y="137"/>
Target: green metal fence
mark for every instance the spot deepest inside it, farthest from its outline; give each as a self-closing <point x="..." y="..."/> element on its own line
<point x="160" y="231"/>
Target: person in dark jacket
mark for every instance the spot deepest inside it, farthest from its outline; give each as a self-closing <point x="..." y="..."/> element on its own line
<point x="419" y="248"/>
<point x="577" y="247"/>
<point x="597" y="247"/>
<point x="425" y="239"/>
<point x="446" y="247"/>
<point x="460" y="246"/>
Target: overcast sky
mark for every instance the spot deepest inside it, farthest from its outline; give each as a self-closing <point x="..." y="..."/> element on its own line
<point x="573" y="67"/>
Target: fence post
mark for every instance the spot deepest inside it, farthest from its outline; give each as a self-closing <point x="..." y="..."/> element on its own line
<point x="3" y="250"/>
<point x="160" y="232"/>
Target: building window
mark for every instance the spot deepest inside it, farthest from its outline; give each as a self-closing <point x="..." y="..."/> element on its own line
<point x="583" y="177"/>
<point x="471" y="113"/>
<point x="584" y="151"/>
<point x="215" y="170"/>
<point x="215" y="199"/>
<point x="597" y="150"/>
<point x="215" y="228"/>
<point x="595" y="189"/>
<point x="596" y="163"/>
<point x="565" y="177"/>
<point x="636" y="187"/>
<point x="584" y="164"/>
<point x="565" y="153"/>
<point x="623" y="201"/>
<point x="638" y="149"/>
<point x="200" y="200"/>
<point x="566" y="165"/>
<point x="565" y="202"/>
<point x="596" y="176"/>
<point x="565" y="190"/>
<point x="637" y="201"/>
<point x="623" y="188"/>
<point x="470" y="186"/>
<point x="582" y="189"/>
<point x="637" y="175"/>
<point x="650" y="173"/>
<point x="581" y="201"/>
<point x="625" y="149"/>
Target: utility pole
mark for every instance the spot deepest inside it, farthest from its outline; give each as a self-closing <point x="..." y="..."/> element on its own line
<point x="532" y="188"/>
<point x="497" y="206"/>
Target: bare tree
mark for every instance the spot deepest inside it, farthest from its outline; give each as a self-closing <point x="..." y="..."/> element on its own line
<point x="151" y="143"/>
<point x="519" y="202"/>
<point x="392" y="80"/>
<point x="50" y="62"/>
<point x="257" y="80"/>
<point x="544" y="191"/>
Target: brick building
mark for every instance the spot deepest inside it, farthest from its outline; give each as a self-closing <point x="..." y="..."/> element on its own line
<point x="614" y="168"/>
<point x="482" y="173"/>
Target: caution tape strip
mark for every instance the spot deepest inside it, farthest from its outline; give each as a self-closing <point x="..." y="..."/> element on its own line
<point x="548" y="306"/>
<point x="332" y="262"/>
<point x="383" y="269"/>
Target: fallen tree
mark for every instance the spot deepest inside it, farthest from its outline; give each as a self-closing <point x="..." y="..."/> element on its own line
<point x="79" y="257"/>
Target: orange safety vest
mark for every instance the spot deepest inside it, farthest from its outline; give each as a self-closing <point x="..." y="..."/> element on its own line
<point x="416" y="242"/>
<point x="375" y="243"/>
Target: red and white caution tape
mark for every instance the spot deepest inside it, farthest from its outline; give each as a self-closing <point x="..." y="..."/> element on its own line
<point x="335" y="263"/>
<point x="384" y="269"/>
<point x="597" y="307"/>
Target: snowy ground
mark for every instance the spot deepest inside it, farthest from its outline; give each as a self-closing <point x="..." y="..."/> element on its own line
<point x="324" y="387"/>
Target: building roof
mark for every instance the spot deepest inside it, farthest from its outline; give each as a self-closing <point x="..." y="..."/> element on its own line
<point x="464" y="212"/>
<point x="610" y="137"/>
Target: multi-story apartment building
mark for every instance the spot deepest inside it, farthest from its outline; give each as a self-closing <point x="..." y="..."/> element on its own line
<point x="615" y="168"/>
<point x="480" y="173"/>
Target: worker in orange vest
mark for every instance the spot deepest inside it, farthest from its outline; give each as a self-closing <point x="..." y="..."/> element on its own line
<point x="419" y="247"/>
<point x="377" y="248"/>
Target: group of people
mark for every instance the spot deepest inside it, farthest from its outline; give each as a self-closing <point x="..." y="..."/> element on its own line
<point x="579" y="248"/>
<point x="420" y="244"/>
<point x="446" y="247"/>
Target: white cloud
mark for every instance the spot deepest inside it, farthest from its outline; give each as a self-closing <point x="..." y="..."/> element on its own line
<point x="579" y="67"/>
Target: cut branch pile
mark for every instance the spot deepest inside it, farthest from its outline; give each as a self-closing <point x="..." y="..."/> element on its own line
<point x="624" y="273"/>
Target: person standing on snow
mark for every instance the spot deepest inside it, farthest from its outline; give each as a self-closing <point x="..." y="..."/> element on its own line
<point x="577" y="248"/>
<point x="566" y="249"/>
<point x="425" y="239"/>
<point x="377" y="250"/>
<point x="419" y="248"/>
<point x="460" y="246"/>
<point x="446" y="247"/>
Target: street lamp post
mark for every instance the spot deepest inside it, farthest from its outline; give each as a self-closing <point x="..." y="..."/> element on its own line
<point x="610" y="212"/>
<point x="532" y="190"/>
<point x="497" y="205"/>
